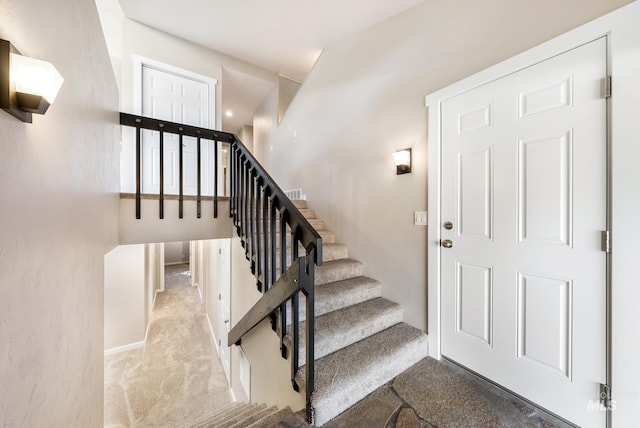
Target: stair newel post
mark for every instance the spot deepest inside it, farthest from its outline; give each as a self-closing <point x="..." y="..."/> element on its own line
<point x="308" y="287"/>
<point x="295" y="308"/>
<point x="215" y="179"/>
<point x="258" y="236"/>
<point x="283" y="268"/>
<point x="138" y="168"/>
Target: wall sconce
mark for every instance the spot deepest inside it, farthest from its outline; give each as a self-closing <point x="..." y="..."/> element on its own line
<point x="402" y="159"/>
<point x="27" y="85"/>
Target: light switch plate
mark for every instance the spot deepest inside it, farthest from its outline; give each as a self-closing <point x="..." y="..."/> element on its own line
<point x="420" y="218"/>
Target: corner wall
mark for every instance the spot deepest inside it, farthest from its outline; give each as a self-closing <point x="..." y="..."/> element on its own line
<point x="270" y="373"/>
<point x="364" y="100"/>
<point x="126" y="296"/>
<point x="59" y="183"/>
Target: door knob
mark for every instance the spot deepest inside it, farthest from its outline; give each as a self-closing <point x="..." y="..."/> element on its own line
<point x="226" y="321"/>
<point x="447" y="243"/>
<point x="448" y="225"/>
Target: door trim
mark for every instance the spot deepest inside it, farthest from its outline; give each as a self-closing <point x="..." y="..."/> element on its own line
<point x="434" y="103"/>
<point x="572" y="40"/>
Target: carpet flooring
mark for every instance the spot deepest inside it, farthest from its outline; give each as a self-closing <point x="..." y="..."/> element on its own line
<point x="176" y="376"/>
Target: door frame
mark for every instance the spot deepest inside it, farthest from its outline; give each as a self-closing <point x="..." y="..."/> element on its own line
<point x="434" y="102"/>
<point x="139" y="62"/>
<point x="623" y="50"/>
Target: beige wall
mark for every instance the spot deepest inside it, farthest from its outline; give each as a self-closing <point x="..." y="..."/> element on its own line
<point x="141" y="40"/>
<point x="150" y="228"/>
<point x="59" y="217"/>
<point x="287" y="90"/>
<point x="364" y="99"/>
<point x="125" y="297"/>
<point x="176" y="252"/>
<point x="270" y="373"/>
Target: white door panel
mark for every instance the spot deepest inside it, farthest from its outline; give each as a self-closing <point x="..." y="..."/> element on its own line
<point x="174" y="98"/>
<point x="524" y="184"/>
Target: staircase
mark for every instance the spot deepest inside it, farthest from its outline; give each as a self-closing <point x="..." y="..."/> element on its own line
<point x="247" y="415"/>
<point x="361" y="342"/>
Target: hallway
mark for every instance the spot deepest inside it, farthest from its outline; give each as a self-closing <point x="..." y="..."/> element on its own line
<point x="177" y="374"/>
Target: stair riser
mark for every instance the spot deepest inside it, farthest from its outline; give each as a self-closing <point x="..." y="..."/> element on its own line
<point x="325" y="345"/>
<point x="324" y="275"/>
<point x="404" y="357"/>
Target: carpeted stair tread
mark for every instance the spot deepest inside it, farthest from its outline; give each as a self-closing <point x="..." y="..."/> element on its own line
<point x="341" y="328"/>
<point x="282" y="418"/>
<point x="337" y="270"/>
<point x="239" y="416"/>
<point x="330" y="251"/>
<point x="317" y="224"/>
<point x="255" y="417"/>
<point x="341" y="294"/>
<point x="299" y="203"/>
<point x="229" y="415"/>
<point x="218" y="414"/>
<point x="348" y="375"/>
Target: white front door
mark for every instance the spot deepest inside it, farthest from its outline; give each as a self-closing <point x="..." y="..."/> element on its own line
<point x="224" y="310"/>
<point x="524" y="188"/>
<point x="174" y="98"/>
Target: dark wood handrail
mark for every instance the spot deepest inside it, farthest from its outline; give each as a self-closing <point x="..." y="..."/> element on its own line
<point x="166" y="127"/>
<point x="261" y="211"/>
<point x="286" y="286"/>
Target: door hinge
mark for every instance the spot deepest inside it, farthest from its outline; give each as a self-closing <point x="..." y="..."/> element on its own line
<point x="606" y="87"/>
<point x="219" y="342"/>
<point x="219" y="296"/>
<point x="606" y="241"/>
<point x="605" y="395"/>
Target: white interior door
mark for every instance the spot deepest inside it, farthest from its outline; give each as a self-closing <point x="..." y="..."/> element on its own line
<point x="524" y="186"/>
<point x="174" y="98"/>
<point x="224" y="325"/>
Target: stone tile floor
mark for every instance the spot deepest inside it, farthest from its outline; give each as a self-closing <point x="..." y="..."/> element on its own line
<point x="439" y="394"/>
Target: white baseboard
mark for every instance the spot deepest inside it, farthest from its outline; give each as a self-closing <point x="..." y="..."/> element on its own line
<point x="123" y="348"/>
<point x="213" y="336"/>
<point x="186" y="262"/>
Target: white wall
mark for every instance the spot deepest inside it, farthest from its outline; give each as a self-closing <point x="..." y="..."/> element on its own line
<point x="141" y="40"/>
<point x="59" y="215"/>
<point x="246" y="136"/>
<point x="364" y="99"/>
<point x="176" y="252"/>
<point x="287" y="90"/>
<point x="270" y="373"/>
<point x="150" y="228"/>
<point x="265" y="120"/>
<point x="125" y="297"/>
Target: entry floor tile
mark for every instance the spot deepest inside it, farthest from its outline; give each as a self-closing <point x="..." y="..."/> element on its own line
<point x="439" y="394"/>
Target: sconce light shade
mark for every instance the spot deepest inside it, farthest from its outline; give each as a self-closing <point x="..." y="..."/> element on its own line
<point x="27" y="85"/>
<point x="402" y="159"/>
